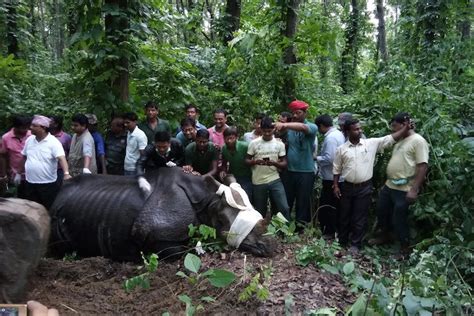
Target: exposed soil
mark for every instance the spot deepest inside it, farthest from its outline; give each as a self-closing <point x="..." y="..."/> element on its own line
<point x="95" y="286"/>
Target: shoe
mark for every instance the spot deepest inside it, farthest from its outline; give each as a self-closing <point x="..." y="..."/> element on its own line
<point x="380" y="240"/>
<point x="354" y="251"/>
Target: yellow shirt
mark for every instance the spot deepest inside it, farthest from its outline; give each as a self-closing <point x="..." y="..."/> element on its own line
<point x="355" y="163"/>
<point x="406" y="154"/>
<point x="261" y="149"/>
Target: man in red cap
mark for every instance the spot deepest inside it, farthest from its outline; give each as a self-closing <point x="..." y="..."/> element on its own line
<point x="300" y="179"/>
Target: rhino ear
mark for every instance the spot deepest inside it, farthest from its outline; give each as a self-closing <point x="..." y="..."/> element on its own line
<point x="211" y="183"/>
<point x="228" y="179"/>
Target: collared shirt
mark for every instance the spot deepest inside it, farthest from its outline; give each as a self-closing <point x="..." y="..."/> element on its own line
<point x="115" y="146"/>
<point x="300" y="149"/>
<point x="333" y="138"/>
<point x="198" y="127"/>
<point x="161" y="126"/>
<point x="136" y="141"/>
<point x="356" y="162"/>
<point x="216" y="137"/>
<point x="183" y="140"/>
<point x="99" y="144"/>
<point x="65" y="140"/>
<point x="200" y="161"/>
<point x="151" y="159"/>
<point x="407" y="153"/>
<point x="248" y="137"/>
<point x="12" y="146"/>
<point x="42" y="159"/>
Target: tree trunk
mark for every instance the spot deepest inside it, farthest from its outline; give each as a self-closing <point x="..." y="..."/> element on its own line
<point x="12" y="28"/>
<point x="465" y="24"/>
<point x="323" y="60"/>
<point x="231" y="19"/>
<point x="349" y="54"/>
<point x="116" y="31"/>
<point x="72" y="19"/>
<point x="32" y="17"/>
<point x="44" y="34"/>
<point x="381" y="34"/>
<point x="289" y="56"/>
<point x="211" y="19"/>
<point x="59" y="30"/>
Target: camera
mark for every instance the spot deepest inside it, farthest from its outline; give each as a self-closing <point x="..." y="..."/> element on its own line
<point x="12" y="310"/>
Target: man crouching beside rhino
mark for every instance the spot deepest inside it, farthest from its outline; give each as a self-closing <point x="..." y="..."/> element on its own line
<point x="117" y="217"/>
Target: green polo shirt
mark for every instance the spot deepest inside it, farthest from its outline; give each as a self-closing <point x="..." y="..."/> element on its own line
<point x="236" y="159"/>
<point x="201" y="162"/>
<point x="163" y="125"/>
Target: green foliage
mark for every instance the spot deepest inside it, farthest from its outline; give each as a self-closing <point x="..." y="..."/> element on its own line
<point x="142" y="280"/>
<point x="70" y="256"/>
<point x="216" y="277"/>
<point x="279" y="225"/>
<point x="320" y="253"/>
<point x="205" y="237"/>
<point x="258" y="286"/>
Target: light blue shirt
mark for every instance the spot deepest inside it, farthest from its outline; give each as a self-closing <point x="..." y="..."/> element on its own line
<point x="136" y="141"/>
<point x="333" y="138"/>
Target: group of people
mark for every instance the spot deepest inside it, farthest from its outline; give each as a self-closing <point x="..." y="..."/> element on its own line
<point x="276" y="163"/>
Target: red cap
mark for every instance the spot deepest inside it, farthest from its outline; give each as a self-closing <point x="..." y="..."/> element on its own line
<point x="298" y="105"/>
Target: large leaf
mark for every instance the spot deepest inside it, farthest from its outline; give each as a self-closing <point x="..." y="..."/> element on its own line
<point x="192" y="263"/>
<point x="348" y="268"/>
<point x="220" y="278"/>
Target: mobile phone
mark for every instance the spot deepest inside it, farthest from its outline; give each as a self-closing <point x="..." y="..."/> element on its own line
<point x="13" y="310"/>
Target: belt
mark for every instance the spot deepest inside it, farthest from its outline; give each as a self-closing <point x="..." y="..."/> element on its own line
<point x="356" y="185"/>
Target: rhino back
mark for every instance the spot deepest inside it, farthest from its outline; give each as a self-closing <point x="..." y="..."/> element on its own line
<point x="94" y="216"/>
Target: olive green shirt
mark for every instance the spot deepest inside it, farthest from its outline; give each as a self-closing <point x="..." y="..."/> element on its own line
<point x="200" y="161"/>
<point x="163" y="125"/>
<point x="236" y="159"/>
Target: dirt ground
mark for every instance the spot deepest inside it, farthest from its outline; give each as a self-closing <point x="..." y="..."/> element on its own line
<point x="95" y="286"/>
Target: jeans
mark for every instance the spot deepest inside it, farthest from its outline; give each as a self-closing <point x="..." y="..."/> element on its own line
<point x="299" y="186"/>
<point x="392" y="207"/>
<point x="246" y="184"/>
<point x="355" y="203"/>
<point x="329" y="208"/>
<point x="129" y="173"/>
<point x="276" y="191"/>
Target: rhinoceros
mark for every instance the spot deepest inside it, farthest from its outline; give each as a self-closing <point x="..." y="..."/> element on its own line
<point x="119" y="217"/>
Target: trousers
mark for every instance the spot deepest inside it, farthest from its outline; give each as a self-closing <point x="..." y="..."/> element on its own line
<point x="355" y="203"/>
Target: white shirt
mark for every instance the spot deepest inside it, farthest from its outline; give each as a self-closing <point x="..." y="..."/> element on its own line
<point x="42" y="159"/>
<point x="356" y="162"/>
<point x="249" y="136"/>
<point x="136" y="141"/>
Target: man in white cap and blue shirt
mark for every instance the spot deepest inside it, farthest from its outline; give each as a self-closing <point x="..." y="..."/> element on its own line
<point x="41" y="153"/>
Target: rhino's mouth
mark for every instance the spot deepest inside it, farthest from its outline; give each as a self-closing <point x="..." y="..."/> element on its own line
<point x="265" y="247"/>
